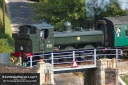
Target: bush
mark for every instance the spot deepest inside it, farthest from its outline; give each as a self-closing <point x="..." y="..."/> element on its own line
<point x="1" y="26"/>
<point x="6" y="36"/>
<point x="6" y="43"/>
<point x="5" y="47"/>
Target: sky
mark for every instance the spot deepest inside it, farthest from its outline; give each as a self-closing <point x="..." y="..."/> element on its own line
<point x="102" y="4"/>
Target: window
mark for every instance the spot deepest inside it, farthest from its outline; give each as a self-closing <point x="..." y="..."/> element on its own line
<point x="126" y="30"/>
<point x="43" y="34"/>
<point x="118" y="31"/>
<point x="27" y="29"/>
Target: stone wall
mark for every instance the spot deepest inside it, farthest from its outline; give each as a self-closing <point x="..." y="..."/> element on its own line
<point x="89" y="77"/>
<point x="111" y="76"/>
<point x="106" y="73"/>
<point x="46" y="78"/>
<point x="16" y="69"/>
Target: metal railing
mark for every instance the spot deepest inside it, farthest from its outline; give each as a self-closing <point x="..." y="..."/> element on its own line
<point x="55" y="58"/>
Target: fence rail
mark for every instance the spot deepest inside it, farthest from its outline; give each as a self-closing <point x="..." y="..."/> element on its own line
<point x="55" y="58"/>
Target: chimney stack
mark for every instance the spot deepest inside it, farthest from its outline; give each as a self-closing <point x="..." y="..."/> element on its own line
<point x="89" y="24"/>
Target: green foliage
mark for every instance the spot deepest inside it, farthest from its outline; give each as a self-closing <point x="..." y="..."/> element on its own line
<point x="111" y="11"/>
<point x="6" y="43"/>
<point x="1" y="27"/>
<point x="5" y="47"/>
<point x="59" y="11"/>
<point x="6" y="36"/>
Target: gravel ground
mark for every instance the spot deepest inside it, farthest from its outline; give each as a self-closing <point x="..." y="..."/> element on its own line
<point x="123" y="70"/>
<point x="123" y="67"/>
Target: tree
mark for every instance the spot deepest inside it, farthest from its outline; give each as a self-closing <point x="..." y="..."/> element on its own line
<point x="59" y="11"/>
<point x="111" y="11"/>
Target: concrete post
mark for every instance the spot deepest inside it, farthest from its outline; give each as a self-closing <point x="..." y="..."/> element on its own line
<point x="113" y="63"/>
<point x="108" y="64"/>
<point x="46" y="73"/>
<point x="41" y="66"/>
<point x="51" y="73"/>
<point x="100" y="72"/>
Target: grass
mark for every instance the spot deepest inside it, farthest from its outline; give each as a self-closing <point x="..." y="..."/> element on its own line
<point x="6" y="41"/>
<point x="125" y="79"/>
<point x="8" y="29"/>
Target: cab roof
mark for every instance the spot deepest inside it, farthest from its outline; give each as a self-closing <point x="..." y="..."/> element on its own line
<point x="40" y="26"/>
<point x="118" y="20"/>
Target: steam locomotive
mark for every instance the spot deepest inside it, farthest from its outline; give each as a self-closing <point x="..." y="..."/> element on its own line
<point x="29" y="39"/>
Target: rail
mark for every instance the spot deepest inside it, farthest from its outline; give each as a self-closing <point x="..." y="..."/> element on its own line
<point x="56" y="58"/>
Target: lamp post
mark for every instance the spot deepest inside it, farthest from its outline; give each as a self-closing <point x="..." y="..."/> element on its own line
<point x="3" y="10"/>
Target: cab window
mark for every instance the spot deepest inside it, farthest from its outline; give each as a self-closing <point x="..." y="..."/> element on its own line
<point x="126" y="30"/>
<point x="44" y="34"/>
<point x="27" y="29"/>
<point x="118" y="31"/>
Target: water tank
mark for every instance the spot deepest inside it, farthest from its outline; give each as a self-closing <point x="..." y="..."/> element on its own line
<point x="4" y="58"/>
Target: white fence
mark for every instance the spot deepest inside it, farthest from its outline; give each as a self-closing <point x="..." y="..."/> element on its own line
<point x="80" y="56"/>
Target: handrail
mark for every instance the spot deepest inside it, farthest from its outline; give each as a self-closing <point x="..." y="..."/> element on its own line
<point x="73" y="55"/>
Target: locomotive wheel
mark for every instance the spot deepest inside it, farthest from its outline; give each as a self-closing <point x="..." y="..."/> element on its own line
<point x="88" y="47"/>
<point x="86" y="55"/>
<point x="69" y="48"/>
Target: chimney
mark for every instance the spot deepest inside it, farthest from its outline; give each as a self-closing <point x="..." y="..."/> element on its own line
<point x="89" y="24"/>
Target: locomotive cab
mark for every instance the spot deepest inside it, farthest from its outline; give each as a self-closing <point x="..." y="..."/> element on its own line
<point x="47" y="39"/>
<point x="43" y="40"/>
<point x="28" y="41"/>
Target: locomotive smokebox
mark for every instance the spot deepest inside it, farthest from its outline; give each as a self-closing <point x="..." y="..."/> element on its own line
<point x="89" y="24"/>
<point x="67" y="26"/>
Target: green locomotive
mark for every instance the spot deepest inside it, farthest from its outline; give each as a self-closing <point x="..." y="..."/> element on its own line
<point x="29" y="39"/>
<point x="109" y="32"/>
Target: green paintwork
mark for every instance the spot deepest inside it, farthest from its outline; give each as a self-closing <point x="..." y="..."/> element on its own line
<point x="53" y="39"/>
<point x="78" y="37"/>
<point x="49" y="42"/>
<point x="122" y="40"/>
<point x="34" y="37"/>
